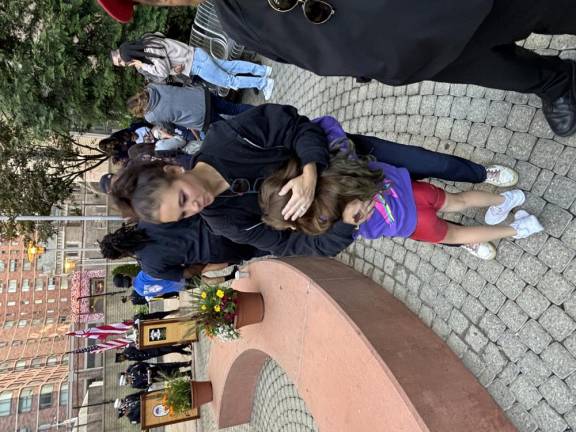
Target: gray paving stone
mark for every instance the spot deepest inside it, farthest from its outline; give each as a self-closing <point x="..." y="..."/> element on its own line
<point x="492" y="298"/>
<point x="562" y="192"/>
<point x="473" y="362"/>
<point x="565" y="161"/>
<point x="495" y="94"/>
<point x="441" y="328"/>
<point x="494" y="358"/>
<point x="473" y="309"/>
<point x="534" y="336"/>
<point x="475" y="338"/>
<point x="490" y="270"/>
<point x="479" y="133"/>
<point x="478" y="110"/>
<point x="509" y="254"/>
<point x="554" y="219"/>
<point x="559" y="360"/>
<point x="498" y="113"/>
<point x="558" y="395"/>
<point x="520" y="118"/>
<point x="458" y="322"/>
<point x="534" y="204"/>
<point x="525" y="392"/>
<point x="475" y="91"/>
<point x="533" y="244"/>
<point x="548" y="419"/>
<point x="460" y="131"/>
<point x="498" y="139"/>
<point x="456" y="270"/>
<point x="509" y="374"/>
<point x="460" y="108"/>
<point x="570" y="418"/>
<point x="546" y="153"/>
<point x="509" y="282"/>
<point x="512" y="315"/>
<point x="530" y="269"/>
<point x="555" y="287"/>
<point x="492" y="326"/>
<point x="473" y="283"/>
<point x="555" y="255"/>
<point x="501" y="394"/>
<point x="570" y="343"/>
<point x="512" y="346"/>
<point x="440" y="259"/>
<point x="413" y="284"/>
<point x="455" y="294"/>
<point x="456" y="344"/>
<point x="520" y="145"/>
<point x="443" y="105"/>
<point x="539" y="126"/>
<point x="542" y="182"/>
<point x="533" y="302"/>
<point x="521" y="419"/>
<point x="557" y="323"/>
<point x="442" y="307"/>
<point x="427" y="315"/>
<point x="527" y="173"/>
<point x="534" y="368"/>
<point x="570" y="306"/>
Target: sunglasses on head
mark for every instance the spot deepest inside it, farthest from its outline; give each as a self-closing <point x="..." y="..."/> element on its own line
<point x="315" y="11"/>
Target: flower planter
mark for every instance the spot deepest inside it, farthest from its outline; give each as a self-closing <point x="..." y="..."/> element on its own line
<point x="201" y="393"/>
<point x="250" y="309"/>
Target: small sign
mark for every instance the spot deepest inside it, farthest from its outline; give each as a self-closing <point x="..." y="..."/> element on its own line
<point x="166" y="332"/>
<point x="153" y="414"/>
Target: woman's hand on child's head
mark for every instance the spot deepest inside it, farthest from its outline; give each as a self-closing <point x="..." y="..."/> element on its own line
<point x="357" y="212"/>
<point x="303" y="188"/>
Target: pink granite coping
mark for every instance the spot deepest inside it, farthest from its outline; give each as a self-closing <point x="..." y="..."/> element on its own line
<point x="358" y="357"/>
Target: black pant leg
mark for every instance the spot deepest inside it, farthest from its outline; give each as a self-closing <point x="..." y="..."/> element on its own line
<point x="492" y="59"/>
<point x="420" y="162"/>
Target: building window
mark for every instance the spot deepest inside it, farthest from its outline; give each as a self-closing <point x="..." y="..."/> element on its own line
<point x="22" y="323"/>
<point x="3" y="344"/>
<point x="64" y="283"/>
<point x="1" y="287"/>
<point x="51" y="283"/>
<point x="62" y="319"/>
<point x="49" y="320"/>
<point x="5" y="403"/>
<point x="45" y="426"/>
<point x="46" y="395"/>
<point x="65" y="359"/>
<point x="37" y="362"/>
<point x="52" y="360"/>
<point x="20" y="364"/>
<point x="25" y="285"/>
<point x="26" y="265"/>
<point x="2" y="266"/>
<point x="51" y="300"/>
<point x="8" y="324"/>
<point x="39" y="284"/>
<point x="25" y="302"/>
<point x="12" y="285"/>
<point x="24" y="429"/>
<point x="63" y="299"/>
<point x="13" y="265"/>
<point x="4" y="366"/>
<point x="16" y="343"/>
<point x="25" y="401"/>
<point x="11" y="303"/>
<point x="38" y="301"/>
<point x="64" y="394"/>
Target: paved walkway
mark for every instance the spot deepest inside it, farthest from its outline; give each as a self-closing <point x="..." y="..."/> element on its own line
<point x="512" y="320"/>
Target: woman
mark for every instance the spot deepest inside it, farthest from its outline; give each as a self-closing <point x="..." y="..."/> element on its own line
<point x="237" y="154"/>
<point x="157" y="57"/>
<point x="189" y="107"/>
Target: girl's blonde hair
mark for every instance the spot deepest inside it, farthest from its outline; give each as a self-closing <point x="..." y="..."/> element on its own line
<point x="345" y="180"/>
<point x="138" y="104"/>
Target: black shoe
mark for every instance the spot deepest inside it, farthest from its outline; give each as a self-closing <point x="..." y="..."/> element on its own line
<point x="561" y="113"/>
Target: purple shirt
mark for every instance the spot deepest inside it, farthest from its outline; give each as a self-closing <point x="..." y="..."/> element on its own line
<point x="394" y="210"/>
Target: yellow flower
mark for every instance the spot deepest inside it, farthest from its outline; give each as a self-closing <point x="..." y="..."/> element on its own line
<point x="220" y="293"/>
<point x="203" y="294"/>
<point x="203" y="307"/>
<point x="217" y="308"/>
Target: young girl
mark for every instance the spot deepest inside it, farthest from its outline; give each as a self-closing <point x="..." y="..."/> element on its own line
<point x="157" y="57"/>
<point x="402" y="207"/>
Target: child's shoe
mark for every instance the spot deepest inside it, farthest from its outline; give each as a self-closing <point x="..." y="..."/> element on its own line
<point x="525" y="225"/>
<point x="484" y="251"/>
<point x="496" y="214"/>
<point x="267" y="91"/>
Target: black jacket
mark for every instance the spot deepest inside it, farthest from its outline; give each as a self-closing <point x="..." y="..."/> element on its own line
<point x="175" y="246"/>
<point x="252" y="145"/>
<point x="393" y="41"/>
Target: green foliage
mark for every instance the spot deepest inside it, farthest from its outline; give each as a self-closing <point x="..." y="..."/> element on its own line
<point x="179" y="23"/>
<point x="126" y="269"/>
<point x="177" y="398"/>
<point x="55" y="66"/>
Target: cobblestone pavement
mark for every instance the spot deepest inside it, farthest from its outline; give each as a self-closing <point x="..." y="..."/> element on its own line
<point x="512" y="320"/>
<point x="277" y="406"/>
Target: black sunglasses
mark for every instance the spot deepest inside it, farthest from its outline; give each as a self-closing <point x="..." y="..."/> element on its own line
<point x="315" y="11"/>
<point x="242" y="186"/>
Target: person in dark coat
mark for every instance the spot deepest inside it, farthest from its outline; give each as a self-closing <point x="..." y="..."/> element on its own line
<point x="134" y="354"/>
<point x="141" y="375"/>
<point x="129" y="407"/>
<point x="402" y="42"/>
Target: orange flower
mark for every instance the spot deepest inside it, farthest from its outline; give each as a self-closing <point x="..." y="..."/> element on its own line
<point x="171" y="411"/>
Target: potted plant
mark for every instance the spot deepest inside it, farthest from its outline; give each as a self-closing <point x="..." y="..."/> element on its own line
<point x="182" y="394"/>
<point x="220" y="310"/>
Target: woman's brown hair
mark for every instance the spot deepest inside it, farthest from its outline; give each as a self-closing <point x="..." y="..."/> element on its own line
<point x="345" y="180"/>
<point x="138" y="104"/>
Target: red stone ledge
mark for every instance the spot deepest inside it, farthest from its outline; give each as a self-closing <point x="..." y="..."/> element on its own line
<point x="358" y="357"/>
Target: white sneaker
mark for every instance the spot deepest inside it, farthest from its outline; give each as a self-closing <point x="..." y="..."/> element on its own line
<point x="501" y="176"/>
<point x="268" y="72"/>
<point x="267" y="91"/>
<point x="498" y="213"/>
<point x="526" y="226"/>
<point x="485" y="251"/>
